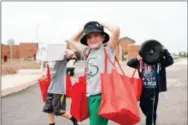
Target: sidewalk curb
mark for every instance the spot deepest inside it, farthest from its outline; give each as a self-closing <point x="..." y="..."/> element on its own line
<point x="17" y="88"/>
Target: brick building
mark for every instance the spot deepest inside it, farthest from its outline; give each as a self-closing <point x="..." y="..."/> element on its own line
<point x="126" y="47"/>
<point x="28" y="50"/>
<point x="132" y="51"/>
<point x="5" y="53"/>
<point x="124" y="42"/>
<point x="24" y="50"/>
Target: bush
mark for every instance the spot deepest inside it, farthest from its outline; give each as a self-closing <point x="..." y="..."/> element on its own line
<point x="9" y="70"/>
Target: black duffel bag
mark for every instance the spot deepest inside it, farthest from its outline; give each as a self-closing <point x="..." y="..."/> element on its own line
<point x="151" y="51"/>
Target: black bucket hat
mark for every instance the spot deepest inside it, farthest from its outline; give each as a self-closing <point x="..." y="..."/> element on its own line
<point x="91" y="27"/>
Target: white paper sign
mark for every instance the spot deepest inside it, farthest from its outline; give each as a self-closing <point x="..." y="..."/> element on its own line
<point x="51" y="52"/>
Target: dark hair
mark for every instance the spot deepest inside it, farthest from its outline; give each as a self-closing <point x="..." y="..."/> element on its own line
<point x="77" y="54"/>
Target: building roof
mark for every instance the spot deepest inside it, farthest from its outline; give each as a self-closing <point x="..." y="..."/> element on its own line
<point x="124" y="38"/>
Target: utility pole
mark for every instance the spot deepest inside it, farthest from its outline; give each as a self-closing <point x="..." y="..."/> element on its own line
<point x="42" y="66"/>
<point x="37" y="32"/>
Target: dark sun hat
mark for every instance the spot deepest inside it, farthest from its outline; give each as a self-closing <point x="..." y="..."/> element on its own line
<point x="92" y="27"/>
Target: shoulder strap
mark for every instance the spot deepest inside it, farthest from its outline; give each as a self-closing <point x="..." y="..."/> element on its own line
<point x="139" y="68"/>
<point x="141" y="63"/>
<point x="86" y="52"/>
<point x="48" y="71"/>
<point x="105" y="61"/>
<point x="134" y="73"/>
<point x="113" y="64"/>
<point x="119" y="65"/>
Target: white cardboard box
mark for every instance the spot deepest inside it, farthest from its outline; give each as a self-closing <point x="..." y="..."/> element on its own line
<point x="51" y="52"/>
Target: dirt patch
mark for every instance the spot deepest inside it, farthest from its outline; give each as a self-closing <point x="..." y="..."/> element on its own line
<point x="12" y="68"/>
<point x="30" y="65"/>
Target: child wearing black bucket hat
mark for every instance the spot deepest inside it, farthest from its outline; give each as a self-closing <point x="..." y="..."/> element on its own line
<point x="94" y="37"/>
<point x="154" y="81"/>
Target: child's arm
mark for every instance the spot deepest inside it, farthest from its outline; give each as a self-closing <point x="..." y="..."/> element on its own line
<point x="134" y="62"/>
<point x="74" y="41"/>
<point x="114" y="37"/>
<point x="167" y="60"/>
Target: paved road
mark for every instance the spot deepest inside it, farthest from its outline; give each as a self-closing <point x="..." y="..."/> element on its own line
<point x="24" y="108"/>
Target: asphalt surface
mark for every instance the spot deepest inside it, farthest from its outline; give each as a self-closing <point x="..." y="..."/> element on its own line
<point x="25" y="107"/>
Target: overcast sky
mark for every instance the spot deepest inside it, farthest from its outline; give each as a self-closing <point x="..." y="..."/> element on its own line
<point x="57" y="21"/>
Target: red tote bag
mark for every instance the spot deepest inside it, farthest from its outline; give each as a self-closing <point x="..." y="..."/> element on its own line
<point x="44" y="83"/>
<point x="68" y="86"/>
<point x="79" y="105"/>
<point x="118" y="99"/>
<point x="137" y="85"/>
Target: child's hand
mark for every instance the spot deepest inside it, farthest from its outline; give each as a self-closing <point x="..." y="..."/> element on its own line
<point x="69" y="53"/>
<point x="139" y="58"/>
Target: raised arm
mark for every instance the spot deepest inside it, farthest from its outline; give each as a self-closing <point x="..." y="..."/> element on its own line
<point x="115" y="35"/>
<point x="134" y="62"/>
<point x="167" y="59"/>
<point x="74" y="41"/>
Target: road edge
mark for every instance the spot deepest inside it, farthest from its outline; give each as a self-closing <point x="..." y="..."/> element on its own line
<point x="17" y="88"/>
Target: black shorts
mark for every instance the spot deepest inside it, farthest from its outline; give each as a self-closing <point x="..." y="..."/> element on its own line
<point x="55" y="103"/>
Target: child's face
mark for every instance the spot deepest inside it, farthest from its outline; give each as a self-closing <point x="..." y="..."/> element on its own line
<point x="94" y="40"/>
